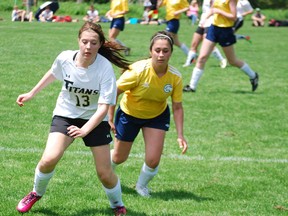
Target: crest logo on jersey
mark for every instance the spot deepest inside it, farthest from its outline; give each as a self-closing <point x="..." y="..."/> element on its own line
<point x="146" y="85"/>
<point x="168" y="88"/>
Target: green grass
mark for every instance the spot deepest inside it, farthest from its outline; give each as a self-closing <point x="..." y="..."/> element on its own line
<point x="237" y="158"/>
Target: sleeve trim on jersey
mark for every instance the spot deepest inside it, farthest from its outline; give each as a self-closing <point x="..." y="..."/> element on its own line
<point x="173" y="70"/>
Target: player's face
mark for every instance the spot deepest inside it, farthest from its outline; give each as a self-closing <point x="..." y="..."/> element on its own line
<point x="89" y="44"/>
<point x="161" y="52"/>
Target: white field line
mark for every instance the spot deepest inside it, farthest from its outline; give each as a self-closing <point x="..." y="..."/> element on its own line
<point x="169" y="156"/>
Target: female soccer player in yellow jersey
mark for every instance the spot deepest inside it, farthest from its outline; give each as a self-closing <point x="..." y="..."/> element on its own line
<point x="118" y="9"/>
<point x="221" y="31"/>
<point x="174" y="8"/>
<point x="146" y="86"/>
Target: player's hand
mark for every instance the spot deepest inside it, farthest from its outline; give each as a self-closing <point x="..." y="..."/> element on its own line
<point x="113" y="129"/>
<point x="75" y="132"/>
<point x="182" y="144"/>
<point x="215" y="11"/>
<point x="23" y="98"/>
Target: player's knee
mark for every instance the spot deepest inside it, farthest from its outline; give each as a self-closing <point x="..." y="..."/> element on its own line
<point x="233" y="62"/>
<point x="105" y="176"/>
<point x="47" y="165"/>
<point x="202" y="60"/>
<point x="152" y="163"/>
<point x="119" y="158"/>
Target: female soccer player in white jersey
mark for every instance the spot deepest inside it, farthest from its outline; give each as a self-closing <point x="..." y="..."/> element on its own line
<point x="221" y="31"/>
<point x="88" y="89"/>
<point x="146" y="86"/>
<point x="244" y="8"/>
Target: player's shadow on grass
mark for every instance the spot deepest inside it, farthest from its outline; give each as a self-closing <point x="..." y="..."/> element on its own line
<point x="169" y="195"/>
<point x="245" y="92"/>
<point x="82" y="212"/>
<point x="87" y="212"/>
<point x="95" y="212"/>
<point x="44" y="211"/>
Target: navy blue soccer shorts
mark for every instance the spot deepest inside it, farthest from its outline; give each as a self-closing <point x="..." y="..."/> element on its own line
<point x="118" y="23"/>
<point x="224" y="36"/>
<point x="128" y="127"/>
<point x="173" y="26"/>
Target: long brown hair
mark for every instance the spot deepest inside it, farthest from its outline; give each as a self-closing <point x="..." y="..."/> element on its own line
<point x="108" y="49"/>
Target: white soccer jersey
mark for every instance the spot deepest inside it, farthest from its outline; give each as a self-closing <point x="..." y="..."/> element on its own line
<point x="206" y="5"/>
<point x="83" y="88"/>
<point x="242" y="7"/>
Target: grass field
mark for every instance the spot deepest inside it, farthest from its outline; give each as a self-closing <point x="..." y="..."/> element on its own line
<point x="237" y="158"/>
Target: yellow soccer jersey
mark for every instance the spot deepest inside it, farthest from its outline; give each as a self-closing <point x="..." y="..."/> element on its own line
<point x="145" y="94"/>
<point x="119" y="6"/>
<point x="220" y="20"/>
<point x="172" y="6"/>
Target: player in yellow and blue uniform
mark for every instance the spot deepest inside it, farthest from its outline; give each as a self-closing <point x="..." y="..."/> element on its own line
<point x="221" y="31"/>
<point x="174" y="8"/>
<point x="146" y="87"/>
<point x="118" y="9"/>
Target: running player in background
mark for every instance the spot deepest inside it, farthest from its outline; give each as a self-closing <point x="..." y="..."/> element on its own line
<point x="198" y="36"/>
<point x="244" y="8"/>
<point x="173" y="13"/>
<point x="221" y="31"/>
<point x="118" y="9"/>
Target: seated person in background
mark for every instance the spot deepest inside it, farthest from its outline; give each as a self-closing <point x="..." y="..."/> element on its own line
<point x="155" y="14"/>
<point x="20" y="15"/>
<point x="147" y="15"/>
<point x="150" y="16"/>
<point x="154" y="18"/>
<point x="147" y="18"/>
<point x="63" y="19"/>
<point x="92" y="15"/>
<point x="46" y="15"/>
<point x="258" y="18"/>
<point x="277" y="23"/>
<point x="192" y="13"/>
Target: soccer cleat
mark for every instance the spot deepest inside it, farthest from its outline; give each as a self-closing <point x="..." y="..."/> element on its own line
<point x="188" y="63"/>
<point x="119" y="210"/>
<point x="254" y="82"/>
<point x="187" y="88"/>
<point x="142" y="191"/>
<point x="223" y="63"/>
<point x="248" y="39"/>
<point x="27" y="202"/>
